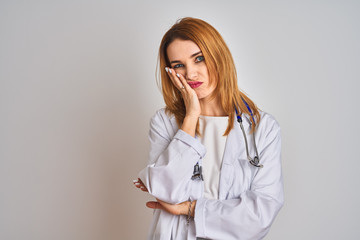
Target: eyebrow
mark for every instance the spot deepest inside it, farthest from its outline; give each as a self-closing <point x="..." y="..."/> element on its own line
<point x="193" y="55"/>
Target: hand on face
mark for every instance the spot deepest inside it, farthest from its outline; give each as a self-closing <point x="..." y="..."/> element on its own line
<point x="190" y="97"/>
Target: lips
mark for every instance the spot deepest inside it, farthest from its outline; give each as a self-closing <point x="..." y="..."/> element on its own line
<point x="195" y="84"/>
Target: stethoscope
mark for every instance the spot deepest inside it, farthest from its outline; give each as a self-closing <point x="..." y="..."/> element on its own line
<point x="197" y="173"/>
<point x="253" y="161"/>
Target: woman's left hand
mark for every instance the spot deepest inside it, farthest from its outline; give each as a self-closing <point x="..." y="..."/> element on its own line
<point x="176" y="209"/>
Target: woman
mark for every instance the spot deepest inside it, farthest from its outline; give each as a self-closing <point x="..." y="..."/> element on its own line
<point x="202" y="170"/>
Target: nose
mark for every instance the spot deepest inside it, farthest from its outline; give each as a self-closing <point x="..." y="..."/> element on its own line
<point x="191" y="73"/>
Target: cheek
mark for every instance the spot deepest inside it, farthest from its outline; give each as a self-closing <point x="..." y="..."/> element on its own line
<point x="205" y="74"/>
<point x="180" y="70"/>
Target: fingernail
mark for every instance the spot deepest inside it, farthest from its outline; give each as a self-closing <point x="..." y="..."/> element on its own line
<point x="178" y="75"/>
<point x="134" y="181"/>
<point x="137" y="183"/>
<point x="170" y="70"/>
<point x="166" y="69"/>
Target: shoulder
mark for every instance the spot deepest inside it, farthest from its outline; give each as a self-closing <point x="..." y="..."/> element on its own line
<point x="267" y="118"/>
<point x="163" y="121"/>
<point x="161" y="115"/>
<point x="268" y="123"/>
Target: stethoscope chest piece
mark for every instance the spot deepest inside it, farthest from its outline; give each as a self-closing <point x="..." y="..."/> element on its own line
<point x="255" y="162"/>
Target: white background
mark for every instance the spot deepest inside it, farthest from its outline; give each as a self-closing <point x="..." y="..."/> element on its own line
<point x="78" y="87"/>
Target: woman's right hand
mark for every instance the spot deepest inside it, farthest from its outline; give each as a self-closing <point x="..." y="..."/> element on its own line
<point x="191" y="100"/>
<point x="139" y="184"/>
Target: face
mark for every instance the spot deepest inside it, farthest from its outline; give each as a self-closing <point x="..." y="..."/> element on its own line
<point x="187" y="59"/>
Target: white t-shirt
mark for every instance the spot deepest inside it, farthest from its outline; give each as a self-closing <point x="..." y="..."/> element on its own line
<point x="212" y="130"/>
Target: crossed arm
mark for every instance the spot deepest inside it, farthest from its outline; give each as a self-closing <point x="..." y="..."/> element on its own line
<point x="175" y="209"/>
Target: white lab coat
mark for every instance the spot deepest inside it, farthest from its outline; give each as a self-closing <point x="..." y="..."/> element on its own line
<point x="249" y="197"/>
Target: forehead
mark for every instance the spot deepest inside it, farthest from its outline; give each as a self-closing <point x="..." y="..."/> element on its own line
<point x="181" y="49"/>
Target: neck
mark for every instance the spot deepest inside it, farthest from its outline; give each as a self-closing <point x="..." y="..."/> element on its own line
<point x="212" y="107"/>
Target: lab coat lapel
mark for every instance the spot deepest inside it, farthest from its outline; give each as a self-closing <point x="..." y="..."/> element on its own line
<point x="233" y="148"/>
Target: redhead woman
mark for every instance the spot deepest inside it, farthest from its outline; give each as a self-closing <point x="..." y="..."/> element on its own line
<point x="214" y="166"/>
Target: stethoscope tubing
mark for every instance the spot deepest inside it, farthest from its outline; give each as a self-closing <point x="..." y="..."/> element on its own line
<point x="253" y="161"/>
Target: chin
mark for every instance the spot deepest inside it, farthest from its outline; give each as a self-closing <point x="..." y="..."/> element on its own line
<point x="201" y="96"/>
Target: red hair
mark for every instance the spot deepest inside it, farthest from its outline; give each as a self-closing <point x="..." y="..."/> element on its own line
<point x="221" y="67"/>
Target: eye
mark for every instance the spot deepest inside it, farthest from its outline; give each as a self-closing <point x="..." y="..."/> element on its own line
<point x="178" y="65"/>
<point x="199" y="59"/>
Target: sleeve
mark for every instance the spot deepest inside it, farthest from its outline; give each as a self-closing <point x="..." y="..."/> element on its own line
<point x="251" y="215"/>
<point x="171" y="161"/>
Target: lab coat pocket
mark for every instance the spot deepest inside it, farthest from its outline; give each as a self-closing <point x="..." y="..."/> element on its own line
<point x="244" y="174"/>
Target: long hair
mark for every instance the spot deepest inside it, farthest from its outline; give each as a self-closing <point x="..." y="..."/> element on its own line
<point x="220" y="65"/>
